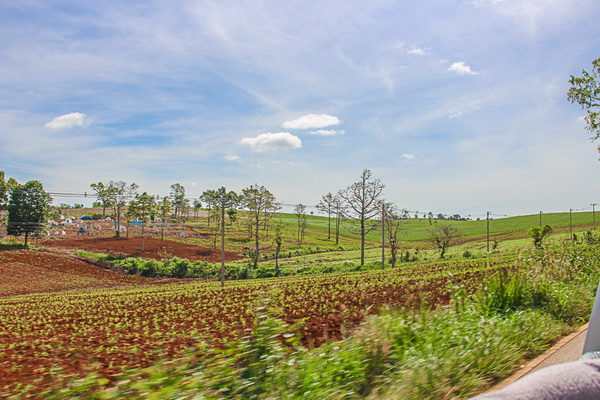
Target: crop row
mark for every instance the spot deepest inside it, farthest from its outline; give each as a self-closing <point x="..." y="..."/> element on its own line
<point x="111" y="330"/>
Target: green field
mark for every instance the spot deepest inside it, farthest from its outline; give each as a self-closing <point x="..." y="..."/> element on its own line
<point x="510" y="234"/>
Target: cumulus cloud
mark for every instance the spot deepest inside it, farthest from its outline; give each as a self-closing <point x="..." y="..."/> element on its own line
<point x="462" y="69"/>
<point x="312" y="121"/>
<point x="232" y="157"/>
<point x="68" y="121"/>
<point x="327" y="132"/>
<point x="272" y="141"/>
<point x="408" y="156"/>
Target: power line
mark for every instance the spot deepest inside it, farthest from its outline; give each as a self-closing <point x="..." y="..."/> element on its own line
<point x="91" y="195"/>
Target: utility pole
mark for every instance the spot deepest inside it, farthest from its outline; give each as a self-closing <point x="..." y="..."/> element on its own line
<point x="540" y="219"/>
<point x="382" y="235"/>
<point x="594" y="214"/>
<point x="571" y="222"/>
<point x="488" y="230"/>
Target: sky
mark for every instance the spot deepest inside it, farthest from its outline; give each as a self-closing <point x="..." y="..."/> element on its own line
<point x="456" y="106"/>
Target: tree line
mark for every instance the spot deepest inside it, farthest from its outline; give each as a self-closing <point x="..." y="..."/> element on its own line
<point x="360" y="207"/>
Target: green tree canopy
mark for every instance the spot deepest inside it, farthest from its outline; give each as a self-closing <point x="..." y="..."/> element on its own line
<point x="178" y="200"/>
<point x="143" y="207"/>
<point x="119" y="194"/>
<point x="104" y="194"/>
<point x="5" y="188"/>
<point x="28" y="209"/>
<point x="585" y="90"/>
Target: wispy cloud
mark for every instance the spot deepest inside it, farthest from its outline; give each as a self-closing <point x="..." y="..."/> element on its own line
<point x="272" y="142"/>
<point x="408" y="156"/>
<point x="68" y="121"/>
<point x="327" y="132"/>
<point x="231" y="157"/>
<point x="312" y="121"/>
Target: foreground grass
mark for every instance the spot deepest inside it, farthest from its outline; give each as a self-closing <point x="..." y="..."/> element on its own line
<point x="454" y="352"/>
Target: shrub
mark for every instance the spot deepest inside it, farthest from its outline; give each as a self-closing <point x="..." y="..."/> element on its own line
<point x="502" y="293"/>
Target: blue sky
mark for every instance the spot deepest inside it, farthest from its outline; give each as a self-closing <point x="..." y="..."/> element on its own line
<point x="457" y="106"/>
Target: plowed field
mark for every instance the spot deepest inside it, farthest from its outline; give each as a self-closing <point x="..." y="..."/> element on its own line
<point x="152" y="248"/>
<point x="25" y="272"/>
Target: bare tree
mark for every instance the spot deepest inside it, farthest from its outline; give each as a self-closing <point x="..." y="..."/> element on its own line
<point x="338" y="209"/>
<point x="392" y="229"/>
<point x="443" y="236"/>
<point x="327" y="205"/>
<point x="362" y="201"/>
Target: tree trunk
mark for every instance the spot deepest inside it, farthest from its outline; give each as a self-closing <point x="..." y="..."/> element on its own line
<point x="337" y="228"/>
<point x="222" y="245"/>
<point x="277" y="259"/>
<point x="382" y="236"/>
<point x="162" y="233"/>
<point x="118" y="222"/>
<point x="362" y="242"/>
<point x="256" y="251"/>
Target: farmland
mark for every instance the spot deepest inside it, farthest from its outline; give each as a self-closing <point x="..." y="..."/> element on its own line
<point x="25" y="272"/>
<point x="62" y="318"/>
<point x="111" y="330"/>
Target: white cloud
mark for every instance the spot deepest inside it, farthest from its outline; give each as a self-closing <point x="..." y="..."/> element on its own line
<point x="312" y="121"/>
<point x="232" y="157"/>
<point x="415" y="51"/>
<point x="327" y="132"/>
<point x="462" y="69"/>
<point x="272" y="141"/>
<point x="68" y="121"/>
<point x="408" y="156"/>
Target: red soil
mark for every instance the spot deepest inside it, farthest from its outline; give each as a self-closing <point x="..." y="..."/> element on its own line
<point x="152" y="249"/>
<point x="25" y="272"/>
